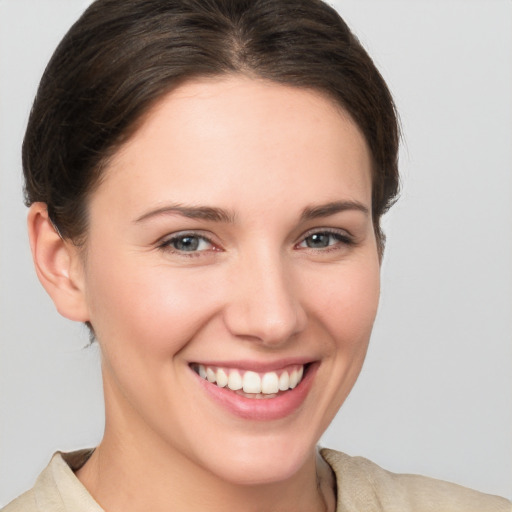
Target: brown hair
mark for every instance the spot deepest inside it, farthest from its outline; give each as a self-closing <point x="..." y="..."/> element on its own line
<point x="121" y="56"/>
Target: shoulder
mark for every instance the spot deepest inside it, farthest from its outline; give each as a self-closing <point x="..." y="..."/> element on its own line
<point x="44" y="496"/>
<point x="362" y="485"/>
<point x="24" y="503"/>
<point x="57" y="489"/>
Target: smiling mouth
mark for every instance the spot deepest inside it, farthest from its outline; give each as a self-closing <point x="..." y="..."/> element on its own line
<point x="250" y="384"/>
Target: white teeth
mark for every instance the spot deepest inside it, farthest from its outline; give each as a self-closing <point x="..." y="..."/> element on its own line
<point x="270" y="383"/>
<point x="252" y="382"/>
<point x="284" y="381"/>
<point x="234" y="381"/>
<point x="210" y="375"/>
<point x="294" y="379"/>
<point x="222" y="378"/>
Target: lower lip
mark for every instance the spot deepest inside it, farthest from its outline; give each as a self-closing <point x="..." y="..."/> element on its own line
<point x="264" y="409"/>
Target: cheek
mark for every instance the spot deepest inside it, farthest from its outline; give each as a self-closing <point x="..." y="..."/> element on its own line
<point x="349" y="307"/>
<point x="153" y="310"/>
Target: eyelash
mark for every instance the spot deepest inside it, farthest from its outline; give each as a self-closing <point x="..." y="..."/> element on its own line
<point x="342" y="238"/>
<point x="167" y="244"/>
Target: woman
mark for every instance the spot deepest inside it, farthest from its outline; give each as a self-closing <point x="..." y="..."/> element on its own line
<point x="208" y="202"/>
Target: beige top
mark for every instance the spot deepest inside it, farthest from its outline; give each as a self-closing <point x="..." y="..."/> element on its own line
<point x="362" y="486"/>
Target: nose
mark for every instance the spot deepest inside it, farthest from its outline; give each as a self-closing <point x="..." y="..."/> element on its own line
<point x="264" y="303"/>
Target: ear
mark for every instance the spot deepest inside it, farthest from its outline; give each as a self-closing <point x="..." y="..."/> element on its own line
<point x="58" y="265"/>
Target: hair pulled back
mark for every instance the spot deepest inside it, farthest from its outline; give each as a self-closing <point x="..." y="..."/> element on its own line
<point x="121" y="56"/>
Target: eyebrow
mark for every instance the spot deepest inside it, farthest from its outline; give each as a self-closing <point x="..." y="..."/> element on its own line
<point x="214" y="214"/>
<point x="193" y="212"/>
<point x="325" y="210"/>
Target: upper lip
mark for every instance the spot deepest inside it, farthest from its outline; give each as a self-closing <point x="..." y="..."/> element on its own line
<point x="256" y="366"/>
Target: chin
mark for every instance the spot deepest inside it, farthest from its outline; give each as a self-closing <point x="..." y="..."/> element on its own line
<point x="261" y="460"/>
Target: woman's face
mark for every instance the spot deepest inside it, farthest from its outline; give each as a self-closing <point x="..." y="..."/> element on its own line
<point x="233" y="236"/>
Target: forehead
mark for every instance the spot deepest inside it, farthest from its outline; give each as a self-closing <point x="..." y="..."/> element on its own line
<point x="242" y="135"/>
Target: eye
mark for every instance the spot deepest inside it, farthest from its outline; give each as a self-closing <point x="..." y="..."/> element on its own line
<point x="187" y="243"/>
<point x="325" y="240"/>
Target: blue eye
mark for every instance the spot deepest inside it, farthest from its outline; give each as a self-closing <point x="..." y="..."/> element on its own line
<point x="324" y="240"/>
<point x="187" y="243"/>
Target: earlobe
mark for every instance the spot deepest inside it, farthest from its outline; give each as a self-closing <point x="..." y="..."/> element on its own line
<point x="58" y="265"/>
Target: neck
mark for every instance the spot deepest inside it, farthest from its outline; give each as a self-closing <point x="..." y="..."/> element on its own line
<point x="124" y="479"/>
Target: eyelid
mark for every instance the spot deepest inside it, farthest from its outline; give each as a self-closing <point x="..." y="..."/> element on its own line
<point x="165" y="242"/>
<point x="343" y="240"/>
<point x="330" y="230"/>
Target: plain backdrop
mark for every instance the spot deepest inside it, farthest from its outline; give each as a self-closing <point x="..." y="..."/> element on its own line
<point x="435" y="396"/>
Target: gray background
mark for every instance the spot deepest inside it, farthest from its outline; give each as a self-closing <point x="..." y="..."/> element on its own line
<point x="435" y="395"/>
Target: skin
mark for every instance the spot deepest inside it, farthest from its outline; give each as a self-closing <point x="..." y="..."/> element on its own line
<point x="255" y="291"/>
